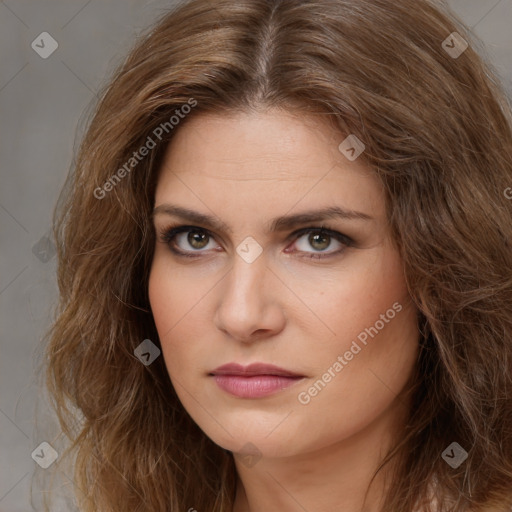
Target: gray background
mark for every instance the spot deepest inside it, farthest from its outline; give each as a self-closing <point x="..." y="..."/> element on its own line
<point x="42" y="102"/>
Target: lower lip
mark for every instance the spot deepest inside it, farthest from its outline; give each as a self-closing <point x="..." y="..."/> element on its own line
<point x="255" y="386"/>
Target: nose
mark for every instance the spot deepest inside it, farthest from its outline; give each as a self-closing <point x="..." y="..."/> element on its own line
<point x="249" y="306"/>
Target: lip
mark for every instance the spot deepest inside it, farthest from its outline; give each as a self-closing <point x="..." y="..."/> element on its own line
<point x="254" y="381"/>
<point x="253" y="369"/>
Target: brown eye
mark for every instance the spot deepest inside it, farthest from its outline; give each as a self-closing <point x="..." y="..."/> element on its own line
<point x="197" y="239"/>
<point x="186" y="240"/>
<point x="321" y="239"/>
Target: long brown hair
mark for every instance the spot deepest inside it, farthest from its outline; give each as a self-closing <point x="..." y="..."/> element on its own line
<point x="437" y="131"/>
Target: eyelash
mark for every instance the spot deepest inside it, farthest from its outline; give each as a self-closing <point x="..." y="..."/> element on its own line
<point x="168" y="234"/>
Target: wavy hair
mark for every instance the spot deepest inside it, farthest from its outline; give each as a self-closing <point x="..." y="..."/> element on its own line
<point x="437" y="131"/>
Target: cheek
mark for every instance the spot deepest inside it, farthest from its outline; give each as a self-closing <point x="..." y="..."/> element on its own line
<point x="172" y="295"/>
<point x="176" y="305"/>
<point x="160" y="291"/>
<point x="357" y="381"/>
<point x="167" y="300"/>
<point x="373" y="326"/>
<point x="357" y="299"/>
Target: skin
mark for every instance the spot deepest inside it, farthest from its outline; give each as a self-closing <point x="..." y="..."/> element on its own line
<point x="283" y="308"/>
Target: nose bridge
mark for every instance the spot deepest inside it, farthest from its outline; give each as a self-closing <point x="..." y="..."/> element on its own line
<point x="246" y="279"/>
<point x="247" y="304"/>
<point x="249" y="267"/>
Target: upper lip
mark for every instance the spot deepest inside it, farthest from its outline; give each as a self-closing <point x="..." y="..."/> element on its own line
<point x="253" y="369"/>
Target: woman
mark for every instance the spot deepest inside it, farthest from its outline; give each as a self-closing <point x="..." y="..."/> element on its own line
<point x="285" y="267"/>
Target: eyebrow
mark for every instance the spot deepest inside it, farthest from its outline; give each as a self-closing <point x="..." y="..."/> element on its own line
<point x="282" y="223"/>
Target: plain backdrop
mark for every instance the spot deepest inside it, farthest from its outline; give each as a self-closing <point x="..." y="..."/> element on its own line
<point x="42" y="101"/>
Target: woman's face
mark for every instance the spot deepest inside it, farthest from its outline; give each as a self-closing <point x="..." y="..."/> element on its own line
<point x="253" y="286"/>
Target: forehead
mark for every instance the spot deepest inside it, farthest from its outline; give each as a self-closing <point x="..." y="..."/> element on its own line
<point x="265" y="156"/>
<point x="290" y="141"/>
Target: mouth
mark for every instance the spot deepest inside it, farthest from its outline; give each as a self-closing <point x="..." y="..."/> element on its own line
<point x="257" y="380"/>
